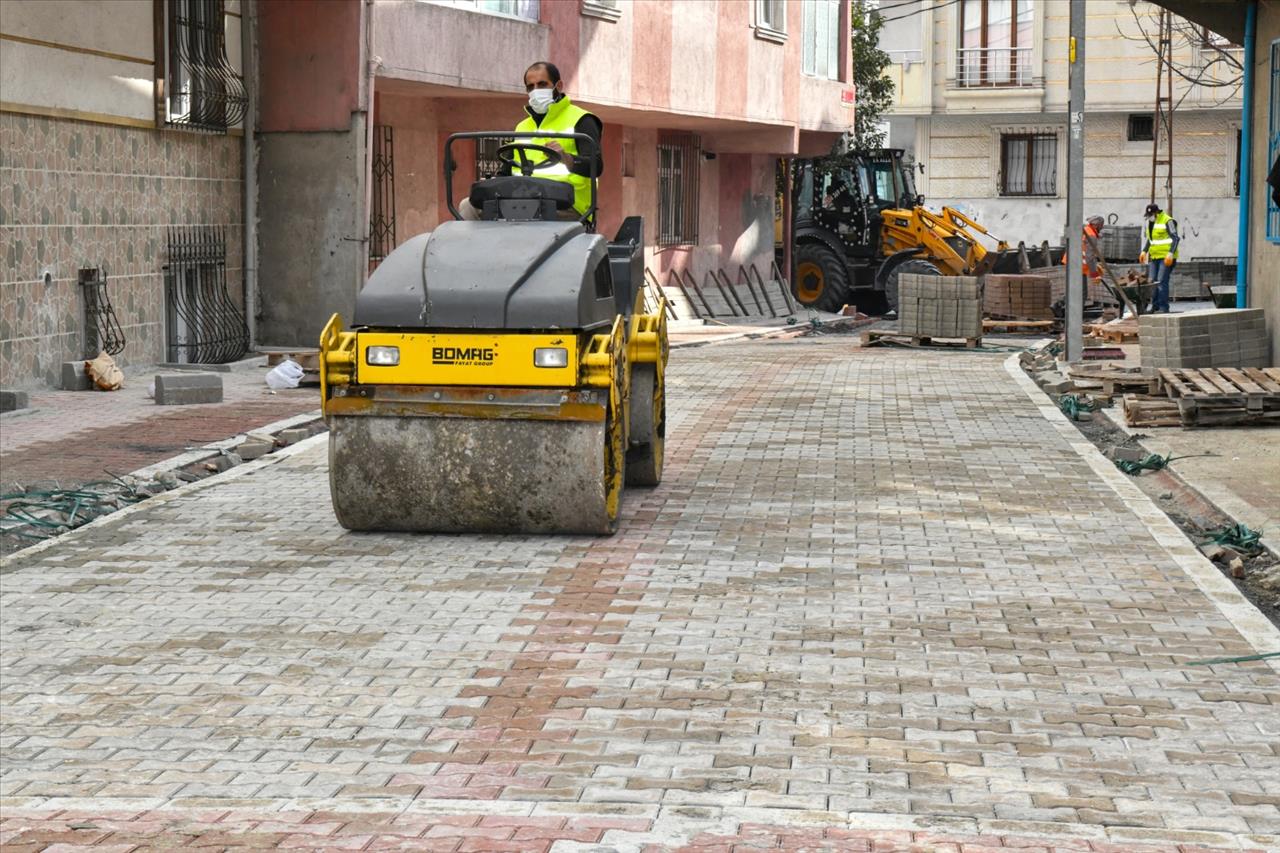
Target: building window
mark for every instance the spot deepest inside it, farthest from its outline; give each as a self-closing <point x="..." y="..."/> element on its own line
<point x="822" y="37"/>
<point x="1142" y="128"/>
<point x="1028" y="164"/>
<point x="995" y="43"/>
<point x="524" y="9"/>
<point x="771" y="19"/>
<point x="1273" y="144"/>
<point x="606" y="9"/>
<point x="678" y="167"/>
<point x="201" y="89"/>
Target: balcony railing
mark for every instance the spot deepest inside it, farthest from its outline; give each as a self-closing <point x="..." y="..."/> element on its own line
<point x="978" y="67"/>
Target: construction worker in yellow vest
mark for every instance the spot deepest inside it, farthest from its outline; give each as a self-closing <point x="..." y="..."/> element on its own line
<point x="1160" y="253"/>
<point x="550" y="109"/>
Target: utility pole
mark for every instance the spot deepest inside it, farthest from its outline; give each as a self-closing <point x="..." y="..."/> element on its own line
<point x="1075" y="185"/>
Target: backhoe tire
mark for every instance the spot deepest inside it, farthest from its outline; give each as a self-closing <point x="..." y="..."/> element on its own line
<point x="918" y="266"/>
<point x="821" y="282"/>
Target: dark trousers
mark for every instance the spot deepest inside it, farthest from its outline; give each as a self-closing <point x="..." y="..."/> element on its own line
<point x="1158" y="274"/>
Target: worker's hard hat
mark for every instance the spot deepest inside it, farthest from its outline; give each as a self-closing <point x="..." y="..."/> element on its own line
<point x="1096" y="221"/>
<point x="1152" y="210"/>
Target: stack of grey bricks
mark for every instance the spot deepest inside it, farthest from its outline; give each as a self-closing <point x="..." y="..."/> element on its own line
<point x="1227" y="338"/>
<point x="940" y="306"/>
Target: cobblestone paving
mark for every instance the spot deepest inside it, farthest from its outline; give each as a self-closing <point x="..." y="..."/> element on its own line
<point x="878" y="600"/>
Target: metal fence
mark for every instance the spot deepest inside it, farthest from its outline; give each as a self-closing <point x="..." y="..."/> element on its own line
<point x="102" y="332"/>
<point x="993" y="66"/>
<point x="203" y="325"/>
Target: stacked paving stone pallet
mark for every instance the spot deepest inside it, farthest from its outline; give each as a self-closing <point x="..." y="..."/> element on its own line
<point x="1121" y="242"/>
<point x="1227" y="338"/>
<point x="1017" y="297"/>
<point x="1057" y="277"/>
<point x="931" y="306"/>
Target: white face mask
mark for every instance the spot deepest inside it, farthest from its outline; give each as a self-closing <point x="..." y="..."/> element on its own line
<point x="540" y="100"/>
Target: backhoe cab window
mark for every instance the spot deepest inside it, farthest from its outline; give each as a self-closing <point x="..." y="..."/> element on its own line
<point x="879" y="176"/>
<point x="836" y="188"/>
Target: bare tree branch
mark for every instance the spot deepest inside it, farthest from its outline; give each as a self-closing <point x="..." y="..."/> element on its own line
<point x="1217" y="63"/>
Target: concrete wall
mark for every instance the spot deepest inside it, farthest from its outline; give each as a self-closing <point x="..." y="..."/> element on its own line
<point x="1264" y="256"/>
<point x="85" y="194"/>
<point x="310" y="192"/>
<point x="312" y="139"/>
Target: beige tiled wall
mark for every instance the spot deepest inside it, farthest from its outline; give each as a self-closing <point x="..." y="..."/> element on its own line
<point x="76" y="194"/>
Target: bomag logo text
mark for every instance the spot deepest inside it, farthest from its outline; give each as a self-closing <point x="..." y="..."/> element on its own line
<point x="466" y="356"/>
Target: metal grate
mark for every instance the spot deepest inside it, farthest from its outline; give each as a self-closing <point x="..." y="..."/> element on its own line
<point x="1142" y="128"/>
<point x="487" y="163"/>
<point x="679" y="160"/>
<point x="102" y="330"/>
<point x="203" y="325"/>
<point x="382" y="218"/>
<point x="1028" y="164"/>
<point x="202" y="90"/>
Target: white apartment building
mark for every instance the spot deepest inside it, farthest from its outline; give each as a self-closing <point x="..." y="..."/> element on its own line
<point x="981" y="101"/>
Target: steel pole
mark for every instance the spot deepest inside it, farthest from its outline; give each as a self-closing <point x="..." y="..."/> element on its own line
<point x="1075" y="186"/>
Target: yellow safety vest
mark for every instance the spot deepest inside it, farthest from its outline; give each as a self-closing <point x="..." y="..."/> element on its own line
<point x="1159" y="240"/>
<point x="561" y="117"/>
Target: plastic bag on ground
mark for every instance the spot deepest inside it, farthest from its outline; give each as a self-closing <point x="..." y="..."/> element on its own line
<point x="105" y="373"/>
<point x="286" y="374"/>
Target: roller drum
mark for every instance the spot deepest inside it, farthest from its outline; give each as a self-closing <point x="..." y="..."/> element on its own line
<point x="469" y="475"/>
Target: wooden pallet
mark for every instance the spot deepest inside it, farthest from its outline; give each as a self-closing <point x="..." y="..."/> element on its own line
<point x="1018" y="325"/>
<point x="1224" y="395"/>
<point x="1124" y="332"/>
<point x="308" y="360"/>
<point x="1121" y="379"/>
<point x="881" y="337"/>
<point x="1141" y="411"/>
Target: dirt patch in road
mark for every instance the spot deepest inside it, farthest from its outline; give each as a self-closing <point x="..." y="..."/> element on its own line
<point x="1195" y="515"/>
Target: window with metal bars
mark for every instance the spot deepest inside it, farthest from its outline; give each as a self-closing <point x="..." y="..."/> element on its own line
<point x="382" y="216"/>
<point x="678" y="175"/>
<point x="821" y="38"/>
<point x="1028" y="164"/>
<point x="487" y="163"/>
<point x="1142" y="128"/>
<point x="203" y="325"/>
<point x="201" y="90"/>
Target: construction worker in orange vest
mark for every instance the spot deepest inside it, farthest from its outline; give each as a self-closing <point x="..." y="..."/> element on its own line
<point x="1091" y="263"/>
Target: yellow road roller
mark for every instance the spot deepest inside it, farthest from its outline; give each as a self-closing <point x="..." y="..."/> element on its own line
<point x="500" y="374"/>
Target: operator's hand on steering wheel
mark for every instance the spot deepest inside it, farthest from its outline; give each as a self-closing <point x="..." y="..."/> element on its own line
<point x="565" y="157"/>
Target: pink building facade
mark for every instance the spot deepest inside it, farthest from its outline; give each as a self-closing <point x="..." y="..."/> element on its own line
<point x="699" y="98"/>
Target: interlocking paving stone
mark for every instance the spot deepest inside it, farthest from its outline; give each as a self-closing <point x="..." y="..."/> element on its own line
<point x="872" y="583"/>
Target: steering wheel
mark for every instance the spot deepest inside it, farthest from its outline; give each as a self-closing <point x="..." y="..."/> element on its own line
<point x="507" y="155"/>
